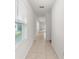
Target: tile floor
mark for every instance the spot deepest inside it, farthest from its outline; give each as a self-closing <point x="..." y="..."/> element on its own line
<point x="41" y="49"/>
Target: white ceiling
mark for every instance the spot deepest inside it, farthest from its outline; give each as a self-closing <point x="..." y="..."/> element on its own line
<point x="37" y="3"/>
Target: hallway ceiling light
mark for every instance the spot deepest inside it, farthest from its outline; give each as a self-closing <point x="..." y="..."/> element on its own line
<point x="41" y="6"/>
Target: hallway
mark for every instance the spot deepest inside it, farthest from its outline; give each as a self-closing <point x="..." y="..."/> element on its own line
<point x="32" y="19"/>
<point x="41" y="49"/>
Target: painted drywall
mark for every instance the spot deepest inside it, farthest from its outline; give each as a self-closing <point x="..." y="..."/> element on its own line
<point x="37" y="26"/>
<point x="42" y="24"/>
<point x="48" y="26"/>
<point x="58" y="28"/>
<point x="25" y="13"/>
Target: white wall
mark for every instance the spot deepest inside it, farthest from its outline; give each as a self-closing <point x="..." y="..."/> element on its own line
<point x="48" y="26"/>
<point x="25" y="13"/>
<point x="42" y="23"/>
<point x="58" y="28"/>
<point x="37" y="26"/>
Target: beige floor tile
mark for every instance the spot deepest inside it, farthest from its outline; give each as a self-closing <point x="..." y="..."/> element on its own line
<point x="41" y="49"/>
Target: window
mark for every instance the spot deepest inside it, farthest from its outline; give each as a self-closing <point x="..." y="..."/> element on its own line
<point x="18" y="31"/>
